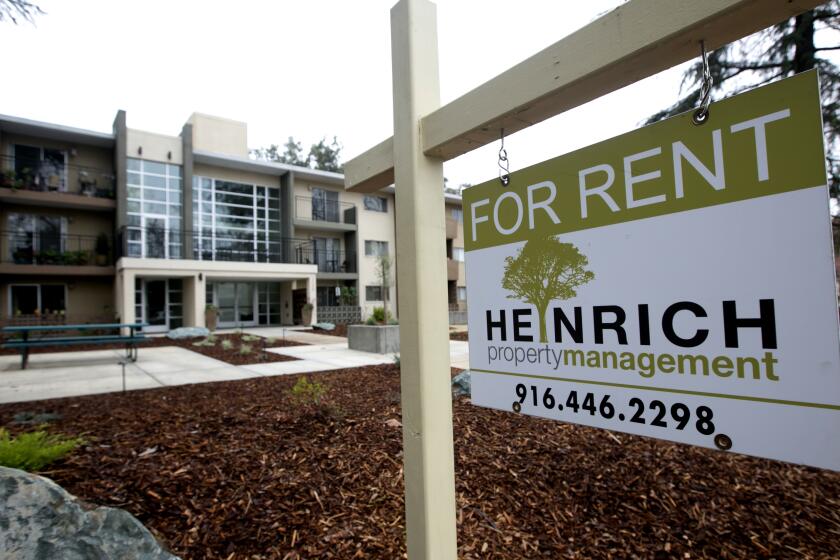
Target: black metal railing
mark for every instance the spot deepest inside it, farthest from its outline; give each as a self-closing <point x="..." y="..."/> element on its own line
<point x="53" y="176"/>
<point x="318" y="209"/>
<point x="161" y="243"/>
<point x="48" y="248"/>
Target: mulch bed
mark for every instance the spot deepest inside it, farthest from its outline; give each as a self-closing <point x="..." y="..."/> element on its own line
<point x="237" y="470"/>
<point x="339" y="330"/>
<point x="232" y="355"/>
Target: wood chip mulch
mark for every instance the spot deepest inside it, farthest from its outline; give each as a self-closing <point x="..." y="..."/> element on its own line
<point x="237" y="470"/>
<point x="232" y="354"/>
<point x="458" y="335"/>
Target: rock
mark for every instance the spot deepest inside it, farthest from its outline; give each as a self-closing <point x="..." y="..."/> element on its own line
<point x="34" y="418"/>
<point x="461" y="384"/>
<point x="324" y="326"/>
<point x="187" y="332"/>
<point x="393" y="423"/>
<point x="39" y="520"/>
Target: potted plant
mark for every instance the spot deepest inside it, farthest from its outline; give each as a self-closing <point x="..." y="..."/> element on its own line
<point x="211" y="317"/>
<point x="307" y="313"/>
<point x="103" y="247"/>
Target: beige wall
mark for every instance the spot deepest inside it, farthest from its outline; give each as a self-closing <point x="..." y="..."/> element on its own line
<point x="203" y="170"/>
<point x="219" y="135"/>
<point x="156" y="147"/>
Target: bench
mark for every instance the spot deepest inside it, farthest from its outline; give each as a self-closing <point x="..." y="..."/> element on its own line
<point x="25" y="343"/>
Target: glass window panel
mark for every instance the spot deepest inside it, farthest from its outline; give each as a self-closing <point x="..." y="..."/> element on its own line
<point x="233" y="198"/>
<point x="153" y="208"/>
<point x="133" y="164"/>
<point x="174" y="184"/>
<point x="24" y="299"/>
<point x="133" y="206"/>
<point x="206" y="183"/>
<point x="174" y="170"/>
<point x="133" y="220"/>
<point x="154" y="195"/>
<point x="134" y="192"/>
<point x="154" y="181"/>
<point x="134" y="179"/>
<point x="231" y="187"/>
<point x="174" y="210"/>
<point x="154" y="167"/>
<point x="52" y="297"/>
<point x="134" y="250"/>
<point x="225" y="210"/>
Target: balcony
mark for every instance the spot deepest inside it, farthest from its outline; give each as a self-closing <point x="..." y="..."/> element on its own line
<point x="154" y="243"/>
<point x="324" y="214"/>
<point x="45" y="183"/>
<point x="47" y="253"/>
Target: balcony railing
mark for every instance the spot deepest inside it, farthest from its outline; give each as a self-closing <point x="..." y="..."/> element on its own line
<point x="47" y="248"/>
<point x="324" y="210"/>
<point x="228" y="247"/>
<point x="49" y="176"/>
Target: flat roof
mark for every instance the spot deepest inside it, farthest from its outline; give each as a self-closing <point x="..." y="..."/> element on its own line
<point x="29" y="127"/>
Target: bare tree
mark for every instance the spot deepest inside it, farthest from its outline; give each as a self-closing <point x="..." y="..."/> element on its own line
<point x="18" y="10"/>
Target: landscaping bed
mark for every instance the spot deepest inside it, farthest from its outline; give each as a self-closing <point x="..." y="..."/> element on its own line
<point x="230" y="352"/>
<point x="458" y="335"/>
<point x="339" y="330"/>
<point x="240" y="470"/>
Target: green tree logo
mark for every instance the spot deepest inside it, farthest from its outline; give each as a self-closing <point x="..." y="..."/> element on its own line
<point x="545" y="270"/>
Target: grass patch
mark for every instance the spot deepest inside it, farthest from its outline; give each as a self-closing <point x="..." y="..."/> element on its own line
<point x="34" y="450"/>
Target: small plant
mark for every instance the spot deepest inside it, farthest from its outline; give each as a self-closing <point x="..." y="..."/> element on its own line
<point x="306" y="392"/>
<point x="34" y="450"/>
<point x="227" y="344"/>
<point x="209" y="341"/>
<point x="245" y="349"/>
<point x="379" y="316"/>
<point x="250" y="338"/>
<point x="370" y="321"/>
<point x="397" y="360"/>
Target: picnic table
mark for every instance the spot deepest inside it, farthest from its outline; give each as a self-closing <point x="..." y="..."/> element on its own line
<point x="24" y="343"/>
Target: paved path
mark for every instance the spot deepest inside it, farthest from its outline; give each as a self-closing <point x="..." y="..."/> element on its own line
<point x="67" y="374"/>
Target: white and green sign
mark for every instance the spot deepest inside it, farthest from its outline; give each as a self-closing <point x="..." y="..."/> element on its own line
<point x="675" y="282"/>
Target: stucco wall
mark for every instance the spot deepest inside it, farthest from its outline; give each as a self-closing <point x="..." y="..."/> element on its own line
<point x="156" y="147"/>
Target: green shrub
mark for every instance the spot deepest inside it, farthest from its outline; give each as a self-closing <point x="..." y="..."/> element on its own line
<point x="308" y="392"/>
<point x="245" y="349"/>
<point x="250" y="338"/>
<point x="370" y="321"/>
<point x="227" y="344"/>
<point x="34" y="450"/>
<point x="379" y="314"/>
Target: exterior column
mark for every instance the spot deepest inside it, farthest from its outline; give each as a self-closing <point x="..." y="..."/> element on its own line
<point x="187" y="229"/>
<point x="312" y="296"/>
<point x="195" y="293"/>
<point x="428" y="455"/>
<point x="125" y="298"/>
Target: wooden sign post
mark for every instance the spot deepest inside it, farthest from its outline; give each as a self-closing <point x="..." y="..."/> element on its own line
<point x="636" y="40"/>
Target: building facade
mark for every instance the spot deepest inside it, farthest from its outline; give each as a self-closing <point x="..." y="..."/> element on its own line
<point x="139" y="226"/>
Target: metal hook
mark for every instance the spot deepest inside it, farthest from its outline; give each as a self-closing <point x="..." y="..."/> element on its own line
<point x="504" y="165"/>
<point x="701" y="115"/>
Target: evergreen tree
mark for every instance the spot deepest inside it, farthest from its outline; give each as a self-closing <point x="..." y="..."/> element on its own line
<point x="326" y="156"/>
<point x="779" y="51"/>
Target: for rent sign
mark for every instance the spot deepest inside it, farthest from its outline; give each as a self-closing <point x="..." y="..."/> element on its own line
<point x="674" y="282"/>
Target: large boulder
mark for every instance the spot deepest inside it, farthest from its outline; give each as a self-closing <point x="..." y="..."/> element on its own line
<point x="39" y="520"/>
<point x="461" y="384"/>
<point x="187" y="332"/>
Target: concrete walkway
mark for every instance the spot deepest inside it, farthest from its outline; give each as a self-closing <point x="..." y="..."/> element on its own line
<point x="68" y="374"/>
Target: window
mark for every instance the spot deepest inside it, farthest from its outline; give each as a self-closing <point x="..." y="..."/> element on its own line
<point x="154" y="204"/>
<point x="325" y="205"/>
<point x="327" y="296"/>
<point x="34" y="238"/>
<point x="236" y="221"/>
<point x="462" y="293"/>
<point x="458" y="214"/>
<point x="376" y="203"/>
<point x="45" y="167"/>
<point x="458" y="254"/>
<point x="27" y="299"/>
<point x="376" y="248"/>
<point x="374" y="293"/>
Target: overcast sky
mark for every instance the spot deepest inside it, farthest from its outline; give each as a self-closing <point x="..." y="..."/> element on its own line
<point x="306" y="69"/>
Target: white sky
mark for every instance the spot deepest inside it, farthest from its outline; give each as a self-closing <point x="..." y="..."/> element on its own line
<point x="305" y="69"/>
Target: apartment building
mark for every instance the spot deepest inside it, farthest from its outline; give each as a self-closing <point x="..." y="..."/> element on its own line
<point x="142" y="226"/>
<point x="456" y="278"/>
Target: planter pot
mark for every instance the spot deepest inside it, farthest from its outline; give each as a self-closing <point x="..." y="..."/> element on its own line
<point x="211" y="319"/>
<point x="306" y="316"/>
<point x="379" y="339"/>
<point x="101" y="260"/>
